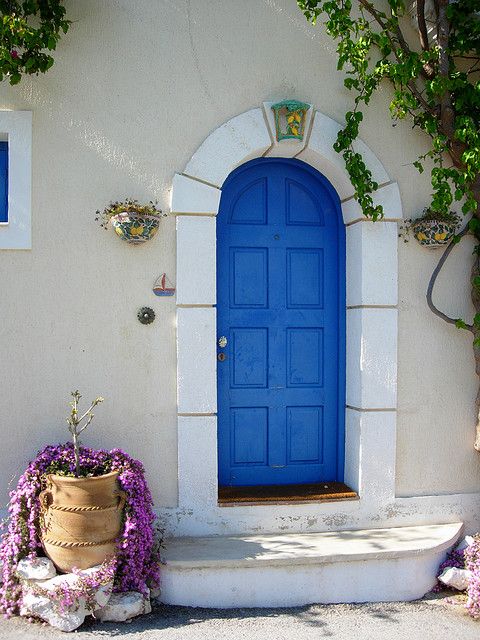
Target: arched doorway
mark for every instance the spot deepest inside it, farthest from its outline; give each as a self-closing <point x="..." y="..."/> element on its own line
<point x="371" y="336"/>
<point x="280" y="326"/>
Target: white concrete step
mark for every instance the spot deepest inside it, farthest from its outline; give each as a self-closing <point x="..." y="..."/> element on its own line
<point x="276" y="570"/>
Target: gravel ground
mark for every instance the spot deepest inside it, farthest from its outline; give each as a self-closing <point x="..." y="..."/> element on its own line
<point x="432" y="618"/>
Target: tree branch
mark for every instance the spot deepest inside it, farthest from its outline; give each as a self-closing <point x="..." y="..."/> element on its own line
<point x="90" y="418"/>
<point x="427" y="70"/>
<point x="443" y="32"/>
<point x="433" y="279"/>
<point x="422" y="25"/>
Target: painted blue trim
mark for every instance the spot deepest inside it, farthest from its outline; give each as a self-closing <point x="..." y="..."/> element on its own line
<point x="256" y="382"/>
<point x="3" y="181"/>
<point x="342" y="341"/>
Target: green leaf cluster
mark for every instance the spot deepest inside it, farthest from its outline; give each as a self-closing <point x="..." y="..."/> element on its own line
<point x="435" y="83"/>
<point x="29" y="32"/>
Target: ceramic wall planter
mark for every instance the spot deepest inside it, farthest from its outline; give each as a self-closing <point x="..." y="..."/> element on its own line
<point x="135" y="227"/>
<point x="433" y="233"/>
<point x="81" y="519"/>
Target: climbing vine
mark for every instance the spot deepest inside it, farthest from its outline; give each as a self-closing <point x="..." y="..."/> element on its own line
<point x="436" y="83"/>
<point x="29" y="32"/>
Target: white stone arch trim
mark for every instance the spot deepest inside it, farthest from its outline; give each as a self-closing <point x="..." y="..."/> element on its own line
<point x="371" y="311"/>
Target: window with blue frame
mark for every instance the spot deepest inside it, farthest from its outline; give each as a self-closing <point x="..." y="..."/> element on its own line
<point x="3" y="181"/>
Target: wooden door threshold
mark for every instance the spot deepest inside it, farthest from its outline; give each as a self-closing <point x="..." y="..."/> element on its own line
<point x="285" y="494"/>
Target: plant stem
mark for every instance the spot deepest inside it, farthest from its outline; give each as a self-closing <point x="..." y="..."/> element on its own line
<point x="76" y="453"/>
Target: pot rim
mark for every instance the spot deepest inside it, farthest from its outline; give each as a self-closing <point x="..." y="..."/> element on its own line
<point x="122" y="215"/>
<point x="417" y="223"/>
<point x="73" y="480"/>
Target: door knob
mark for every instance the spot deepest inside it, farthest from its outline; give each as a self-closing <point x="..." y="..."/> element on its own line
<point x="222" y="342"/>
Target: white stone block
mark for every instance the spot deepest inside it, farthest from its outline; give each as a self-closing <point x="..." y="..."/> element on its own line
<point x="287" y="148"/>
<point x="196" y="349"/>
<point x="455" y="578"/>
<point x="320" y="153"/>
<point x="379" y="174"/>
<point x="372" y="263"/>
<point x="197" y="482"/>
<point x="36" y="569"/>
<point x="196" y="260"/>
<point x="123" y="606"/>
<point x="242" y="138"/>
<point x="276" y="570"/>
<point x="192" y="196"/>
<point x="352" y="450"/>
<point x="387" y="196"/>
<point x="372" y="358"/>
<point x="370" y="466"/>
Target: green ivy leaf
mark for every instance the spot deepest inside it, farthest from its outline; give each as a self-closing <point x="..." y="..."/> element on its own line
<point x="28" y="29"/>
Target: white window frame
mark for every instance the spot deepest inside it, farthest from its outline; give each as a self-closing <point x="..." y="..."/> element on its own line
<point x="16" y="128"/>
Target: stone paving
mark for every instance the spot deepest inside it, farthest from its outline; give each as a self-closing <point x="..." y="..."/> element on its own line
<point x="432" y="618"/>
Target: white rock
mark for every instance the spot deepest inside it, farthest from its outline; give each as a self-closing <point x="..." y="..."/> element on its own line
<point x="123" y="606"/>
<point x="101" y="596"/>
<point x="104" y="594"/>
<point x="456" y="578"/>
<point x="36" y="569"/>
<point x="155" y="593"/>
<point x="44" y="608"/>
<point x="147" y="606"/>
<point x="466" y="542"/>
<point x="71" y="579"/>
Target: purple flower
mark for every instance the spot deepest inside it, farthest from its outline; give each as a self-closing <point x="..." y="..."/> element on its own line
<point x="467" y="559"/>
<point x="14" y="53"/>
<point x="472" y="562"/>
<point x="137" y="562"/>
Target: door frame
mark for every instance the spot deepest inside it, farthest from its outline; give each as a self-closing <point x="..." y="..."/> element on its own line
<point x="371" y="320"/>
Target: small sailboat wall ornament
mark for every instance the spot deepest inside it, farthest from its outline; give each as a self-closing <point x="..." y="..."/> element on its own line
<point x="163" y="286"/>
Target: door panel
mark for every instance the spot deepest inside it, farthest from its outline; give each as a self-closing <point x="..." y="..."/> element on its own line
<point x="281" y="301"/>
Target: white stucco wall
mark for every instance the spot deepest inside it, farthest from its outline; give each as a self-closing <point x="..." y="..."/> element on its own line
<point x="135" y="89"/>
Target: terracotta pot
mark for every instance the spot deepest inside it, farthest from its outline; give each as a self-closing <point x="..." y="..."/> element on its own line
<point x="81" y="518"/>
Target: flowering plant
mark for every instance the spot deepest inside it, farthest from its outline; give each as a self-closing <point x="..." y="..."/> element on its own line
<point x="449" y="218"/>
<point x="468" y="558"/>
<point x="29" y="32"/>
<point x="129" y="205"/>
<point x="472" y="562"/>
<point x="137" y="550"/>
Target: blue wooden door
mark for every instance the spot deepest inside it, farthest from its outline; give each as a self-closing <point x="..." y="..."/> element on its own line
<point x="280" y="304"/>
